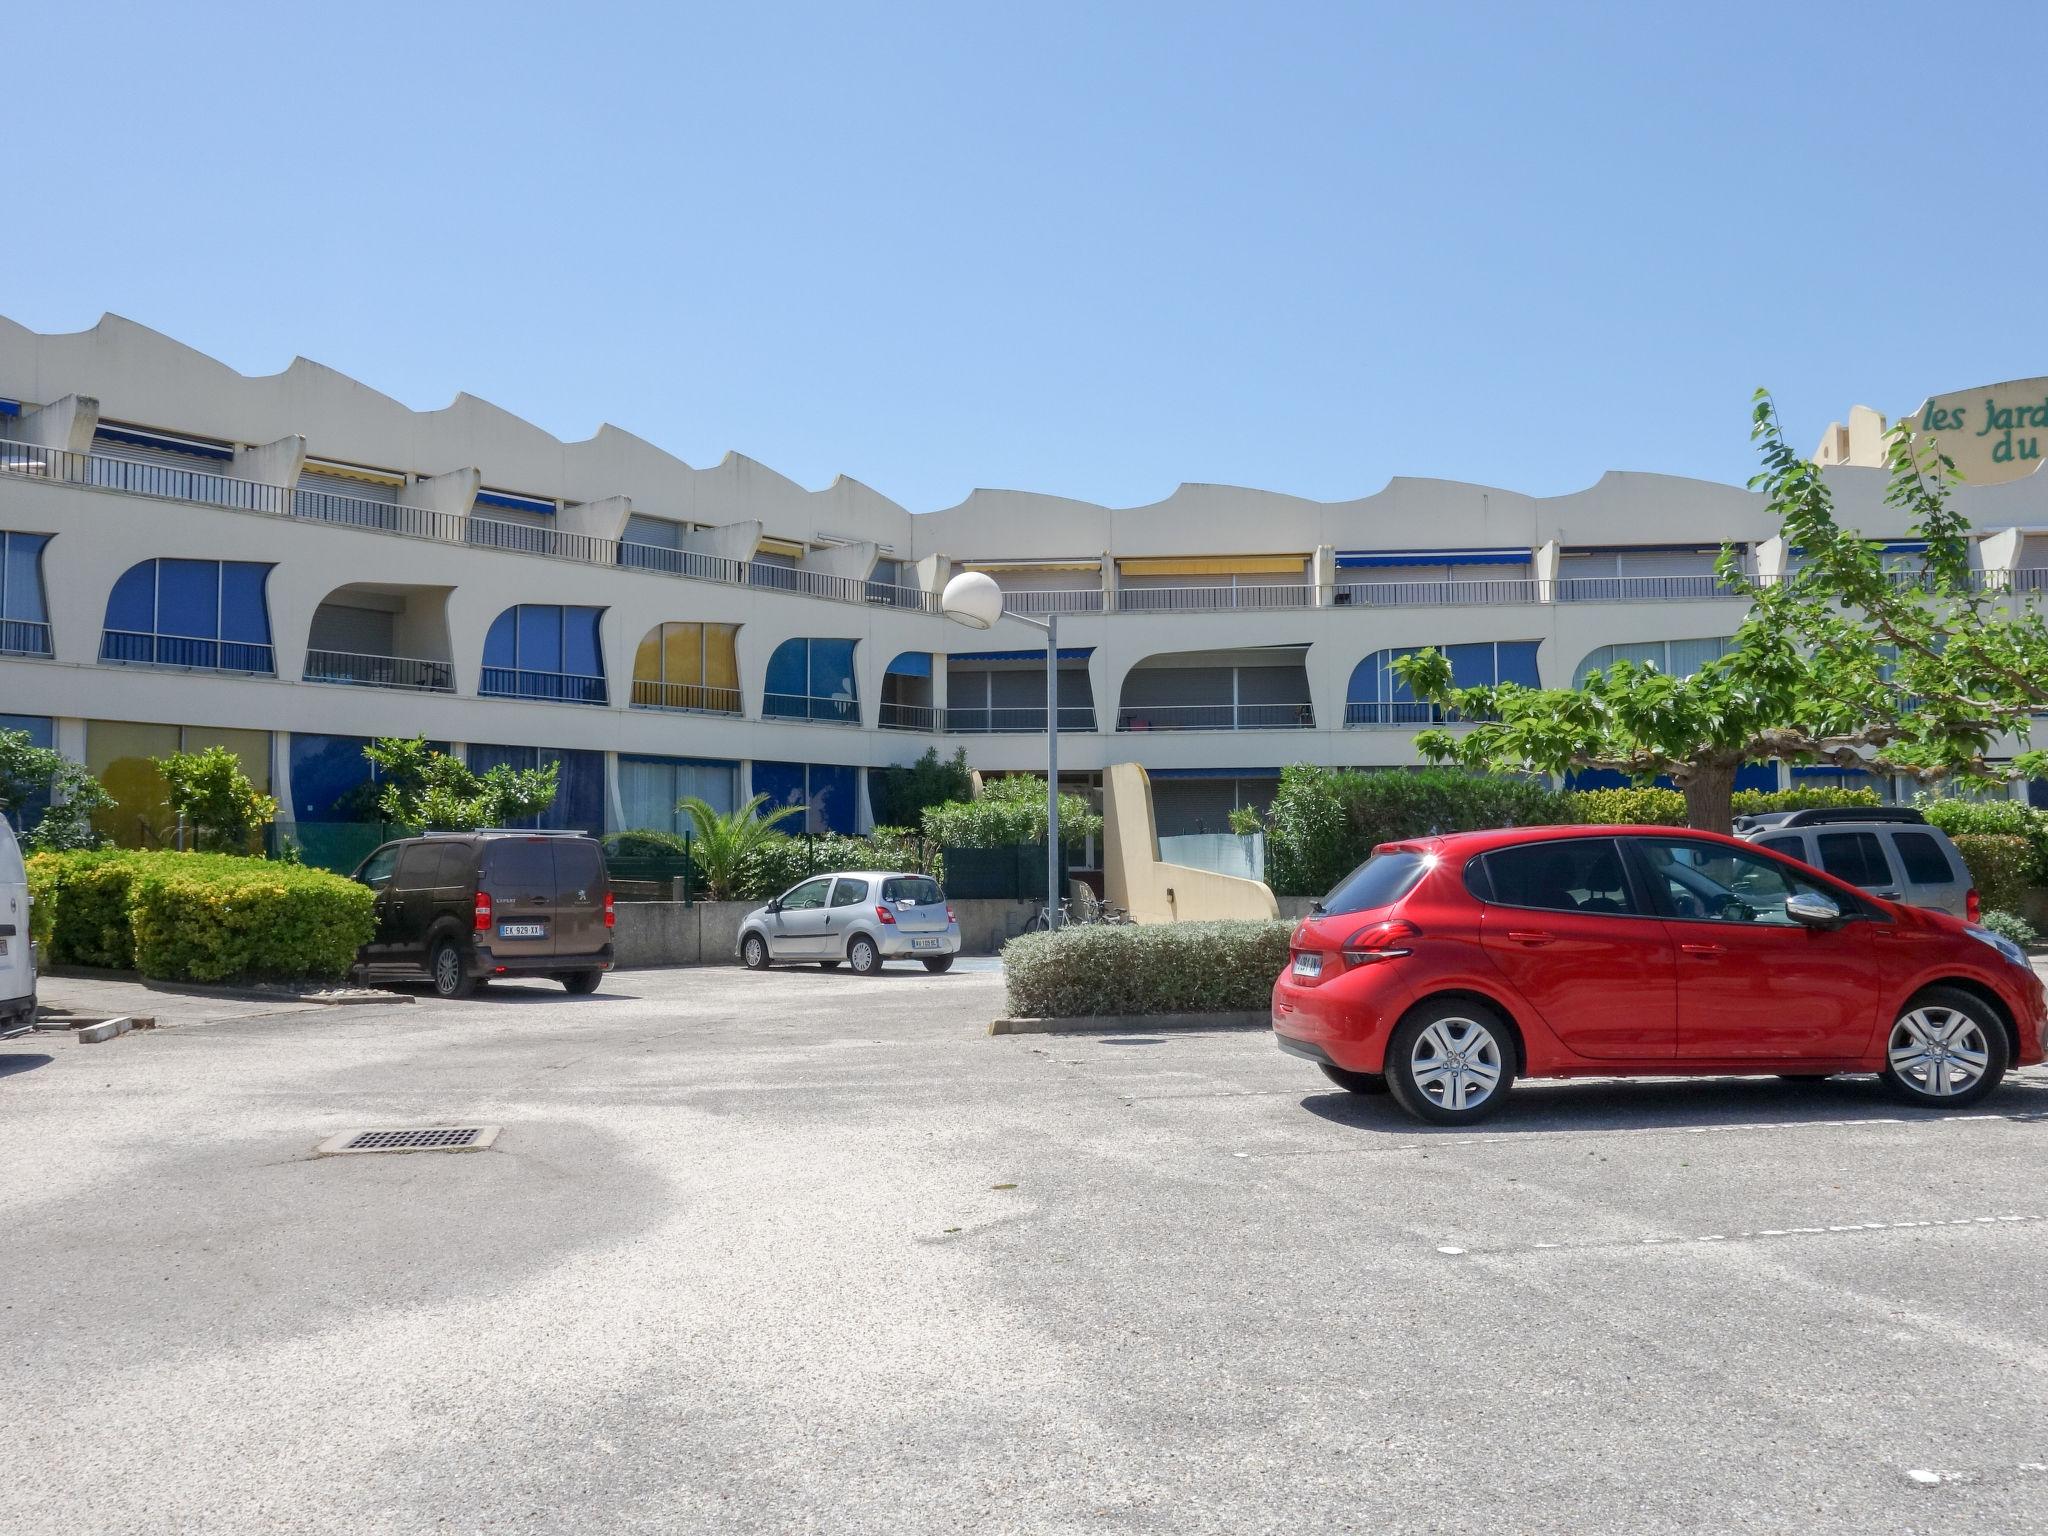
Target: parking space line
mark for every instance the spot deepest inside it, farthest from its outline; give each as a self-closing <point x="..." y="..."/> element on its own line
<point x="1675" y="1240"/>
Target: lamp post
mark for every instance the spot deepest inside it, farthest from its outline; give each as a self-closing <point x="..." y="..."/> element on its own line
<point x="973" y="598"/>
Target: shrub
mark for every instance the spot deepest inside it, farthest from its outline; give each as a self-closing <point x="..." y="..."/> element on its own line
<point x="1647" y="807"/>
<point x="84" y="904"/>
<point x="2009" y="925"/>
<point x="1324" y="821"/>
<point x="2000" y="867"/>
<point x="1758" y="802"/>
<point x="644" y="843"/>
<point x="1993" y="818"/>
<point x="211" y="794"/>
<point x="1010" y="811"/>
<point x="1163" y="968"/>
<point x="900" y="795"/>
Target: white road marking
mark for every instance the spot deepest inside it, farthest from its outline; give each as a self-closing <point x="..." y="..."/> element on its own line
<point x="1661" y="1239"/>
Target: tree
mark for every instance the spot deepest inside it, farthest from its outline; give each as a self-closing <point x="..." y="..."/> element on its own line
<point x="901" y="794"/>
<point x="211" y="794"/>
<point x="26" y="772"/>
<point x="422" y="787"/>
<point x="726" y="845"/>
<point x="1841" y="661"/>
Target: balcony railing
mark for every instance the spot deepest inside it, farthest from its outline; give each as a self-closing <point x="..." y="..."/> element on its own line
<point x="1212" y="599"/>
<point x="548" y="687"/>
<point x="692" y="698"/>
<point x="1066" y="600"/>
<point x="1641" y="589"/>
<point x="804" y="706"/>
<point x="1024" y="721"/>
<point x="906" y="717"/>
<point x="1384" y="713"/>
<point x="1437" y="594"/>
<point x="1216" y="717"/>
<point x="24" y="637"/>
<point x="411" y="673"/>
<point x="2030" y="578"/>
<point x="135" y="648"/>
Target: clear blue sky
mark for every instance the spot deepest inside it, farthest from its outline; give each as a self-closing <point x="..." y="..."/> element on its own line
<point x="1089" y="250"/>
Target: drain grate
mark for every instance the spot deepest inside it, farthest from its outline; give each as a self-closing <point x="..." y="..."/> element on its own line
<point x="427" y="1138"/>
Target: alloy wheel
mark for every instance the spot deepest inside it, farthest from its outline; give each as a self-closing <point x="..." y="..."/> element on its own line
<point x="1456" y="1063"/>
<point x="447" y="971"/>
<point x="1939" y="1051"/>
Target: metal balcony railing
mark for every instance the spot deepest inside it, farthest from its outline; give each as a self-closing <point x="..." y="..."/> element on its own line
<point x="2029" y="578"/>
<point x="1066" y="600"/>
<point x="1640" y="589"/>
<point x="1024" y="721"/>
<point x="692" y="698"/>
<point x="24" y="637"/>
<point x="1213" y="598"/>
<point x="136" y="648"/>
<point x="548" y="687"/>
<point x="411" y="673"/>
<point x="1437" y="594"/>
<point x="906" y="717"/>
<point x="804" y="706"/>
<point x="1216" y="717"/>
<point x="1384" y="713"/>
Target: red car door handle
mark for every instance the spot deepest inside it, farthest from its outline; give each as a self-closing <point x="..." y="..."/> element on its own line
<point x="1702" y="949"/>
<point x="1531" y="936"/>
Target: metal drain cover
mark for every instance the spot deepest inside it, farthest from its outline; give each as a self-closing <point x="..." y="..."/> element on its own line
<point x="426" y="1138"/>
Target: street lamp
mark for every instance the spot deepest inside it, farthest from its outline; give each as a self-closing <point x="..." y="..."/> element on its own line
<point x="973" y="598"/>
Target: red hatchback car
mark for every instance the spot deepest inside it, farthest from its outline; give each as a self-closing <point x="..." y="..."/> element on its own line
<point x="1444" y="968"/>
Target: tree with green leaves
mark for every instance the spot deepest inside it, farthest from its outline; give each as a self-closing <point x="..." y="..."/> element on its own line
<point x="28" y="771"/>
<point x="724" y="845"/>
<point x="900" y="794"/>
<point x="1009" y="811"/>
<point x="1840" y="661"/>
<point x="422" y="787"/>
<point x="212" y="796"/>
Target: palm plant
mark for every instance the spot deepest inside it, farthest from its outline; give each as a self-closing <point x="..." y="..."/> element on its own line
<point x="725" y="844"/>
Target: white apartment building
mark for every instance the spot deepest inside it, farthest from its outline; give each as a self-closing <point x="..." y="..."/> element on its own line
<point x="291" y="565"/>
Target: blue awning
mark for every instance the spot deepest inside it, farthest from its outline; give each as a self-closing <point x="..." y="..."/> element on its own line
<point x="912" y="664"/>
<point x="1078" y="653"/>
<point x="10" y="407"/>
<point x="1212" y="773"/>
<point x="139" y="439"/>
<point x="1368" y="559"/>
<point x="513" y="503"/>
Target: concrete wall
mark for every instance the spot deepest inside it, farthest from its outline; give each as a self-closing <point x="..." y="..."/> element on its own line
<point x="1134" y="878"/>
<point x="652" y="933"/>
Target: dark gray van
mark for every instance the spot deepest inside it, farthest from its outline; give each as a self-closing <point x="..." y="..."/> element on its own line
<point x="463" y="907"/>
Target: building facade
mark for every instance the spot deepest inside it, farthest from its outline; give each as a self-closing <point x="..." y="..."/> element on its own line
<point x="292" y="565"/>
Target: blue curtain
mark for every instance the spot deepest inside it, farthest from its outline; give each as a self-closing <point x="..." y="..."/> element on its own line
<point x="188" y="598"/>
<point x="832" y="669"/>
<point x="21" y="578"/>
<point x="782" y="783"/>
<point x="581" y="652"/>
<point x="1517" y="663"/>
<point x="501" y="646"/>
<point x="326" y="770"/>
<point x="132" y="603"/>
<point x="540" y="638"/>
<point x="834" y="799"/>
<point x="244" y="616"/>
<point x="788" y="668"/>
<point x="579" y="783"/>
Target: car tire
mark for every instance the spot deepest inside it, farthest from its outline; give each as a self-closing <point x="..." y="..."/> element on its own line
<point x="1354" y="1082"/>
<point x="450" y="977"/>
<point x="754" y="952"/>
<point x="828" y="965"/>
<point x="1946" y="1049"/>
<point x="1451" y="1062"/>
<point x="939" y="964"/>
<point x="581" y="983"/>
<point x="863" y="956"/>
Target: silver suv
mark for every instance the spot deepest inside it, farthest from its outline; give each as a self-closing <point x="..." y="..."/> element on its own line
<point x="861" y="917"/>
<point x="1889" y="851"/>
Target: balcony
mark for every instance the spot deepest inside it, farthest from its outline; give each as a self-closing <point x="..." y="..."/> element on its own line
<point x="1213" y="599"/>
<point x="410" y="674"/>
<point x="24" y="637"/>
<point x="127" y="647"/>
<point x="906" y="717"/>
<point x="1641" y="589"/>
<point x="1216" y="717"/>
<point x="1065" y="600"/>
<point x="804" y="706"/>
<point x="1021" y="721"/>
<point x="685" y="698"/>
<point x="543" y="687"/>
<point x="1383" y="713"/>
<point x="1499" y="592"/>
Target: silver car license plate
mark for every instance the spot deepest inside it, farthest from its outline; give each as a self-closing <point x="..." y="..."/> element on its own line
<point x="522" y="930"/>
<point x="924" y="943"/>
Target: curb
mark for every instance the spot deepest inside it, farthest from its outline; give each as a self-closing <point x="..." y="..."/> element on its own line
<point x="207" y="989"/>
<point x="1134" y="1023"/>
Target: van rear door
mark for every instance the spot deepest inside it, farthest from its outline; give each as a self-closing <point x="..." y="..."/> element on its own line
<point x="579" y="897"/>
<point x="519" y="874"/>
<point x="17" y="970"/>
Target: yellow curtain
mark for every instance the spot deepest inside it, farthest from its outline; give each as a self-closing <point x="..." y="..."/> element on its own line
<point x="721" y="664"/>
<point x="1217" y="565"/>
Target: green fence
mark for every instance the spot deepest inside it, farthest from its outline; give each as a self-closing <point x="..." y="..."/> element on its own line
<point x="1012" y="873"/>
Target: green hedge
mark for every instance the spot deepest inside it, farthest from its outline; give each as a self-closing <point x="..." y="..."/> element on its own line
<point x="1164" y="968"/>
<point x="2001" y="867"/>
<point x="198" y="916"/>
<point x="1994" y="818"/>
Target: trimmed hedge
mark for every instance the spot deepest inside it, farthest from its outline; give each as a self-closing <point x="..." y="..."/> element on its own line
<point x="2000" y="867"/>
<point x="198" y="916"/>
<point x="1994" y="818"/>
<point x="1164" y="968"/>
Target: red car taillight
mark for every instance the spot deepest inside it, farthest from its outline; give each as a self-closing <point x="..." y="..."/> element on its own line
<point x="483" y="912"/>
<point x="884" y="915"/>
<point x="1973" y="906"/>
<point x="611" y="913"/>
<point x="1379" y="941"/>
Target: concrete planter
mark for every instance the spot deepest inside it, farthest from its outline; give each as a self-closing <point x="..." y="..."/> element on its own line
<point x="651" y="933"/>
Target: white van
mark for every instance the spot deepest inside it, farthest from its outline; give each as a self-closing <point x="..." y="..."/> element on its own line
<point x="17" y="959"/>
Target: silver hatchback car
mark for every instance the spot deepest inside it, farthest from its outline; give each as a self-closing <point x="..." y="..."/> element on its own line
<point x="860" y="917"/>
<point x="1889" y="851"/>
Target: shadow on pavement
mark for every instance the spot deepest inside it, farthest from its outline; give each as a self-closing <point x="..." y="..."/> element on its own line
<point x="14" y="1063"/>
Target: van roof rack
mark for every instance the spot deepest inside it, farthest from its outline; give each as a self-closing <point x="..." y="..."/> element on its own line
<point x="504" y="832"/>
<point x="1832" y="815"/>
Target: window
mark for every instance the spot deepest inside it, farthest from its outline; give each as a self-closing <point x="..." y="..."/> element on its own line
<point x="849" y="893"/>
<point x="1710" y="882"/>
<point x="812" y="680"/>
<point x="829" y="793"/>
<point x="1380" y="881"/>
<point x="912" y="890"/>
<point x="651" y="789"/>
<point x="24" y="616"/>
<point x="1571" y="875"/>
<point x="207" y="614"/>
<point x="545" y="651"/>
<point x="688" y="666"/>
<point x="41" y="731"/>
<point x="119" y="754"/>
<point x="1674" y="658"/>
<point x="1377" y="696"/>
<point x="525" y="865"/>
<point x="807" y="897"/>
<point x="1791" y="845"/>
<point x="1857" y="857"/>
<point x="578" y="805"/>
<point x="378" y="869"/>
<point x="1925" y="862"/>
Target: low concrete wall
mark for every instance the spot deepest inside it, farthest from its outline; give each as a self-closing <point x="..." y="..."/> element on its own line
<point x="652" y="933"/>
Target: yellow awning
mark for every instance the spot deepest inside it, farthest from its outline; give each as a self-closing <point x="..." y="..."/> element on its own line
<point x="1217" y="565"/>
<point x="782" y="547"/>
<point x="354" y="472"/>
<point x="1031" y="565"/>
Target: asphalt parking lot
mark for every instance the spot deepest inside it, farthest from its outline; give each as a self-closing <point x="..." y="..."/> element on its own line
<point x="799" y="1252"/>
